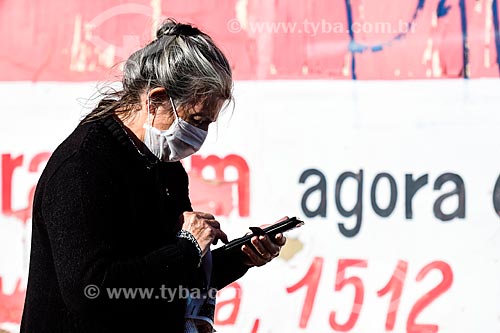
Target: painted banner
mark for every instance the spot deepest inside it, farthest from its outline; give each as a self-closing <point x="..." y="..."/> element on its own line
<point x="392" y="164"/>
<point x="397" y="182"/>
<point x="62" y="40"/>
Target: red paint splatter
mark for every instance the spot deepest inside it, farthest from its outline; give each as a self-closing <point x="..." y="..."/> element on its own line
<point x="256" y="326"/>
<point x="11" y="306"/>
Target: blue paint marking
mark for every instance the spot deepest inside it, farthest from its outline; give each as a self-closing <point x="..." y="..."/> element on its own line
<point x="497" y="31"/>
<point x="352" y="45"/>
<point x="465" y="46"/>
<point x="355" y="47"/>
<point x="442" y="9"/>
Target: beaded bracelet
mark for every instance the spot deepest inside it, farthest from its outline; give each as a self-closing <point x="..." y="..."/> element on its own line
<point x="189" y="236"/>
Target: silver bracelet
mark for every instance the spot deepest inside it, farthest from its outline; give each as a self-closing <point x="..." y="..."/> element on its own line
<point x="189" y="236"/>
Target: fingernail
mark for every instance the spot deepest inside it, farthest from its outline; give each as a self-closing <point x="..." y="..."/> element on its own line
<point x="261" y="237"/>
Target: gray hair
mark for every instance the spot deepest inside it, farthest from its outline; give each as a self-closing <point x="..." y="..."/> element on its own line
<point x="183" y="60"/>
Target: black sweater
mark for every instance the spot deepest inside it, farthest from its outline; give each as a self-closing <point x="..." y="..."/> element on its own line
<point x="106" y="214"/>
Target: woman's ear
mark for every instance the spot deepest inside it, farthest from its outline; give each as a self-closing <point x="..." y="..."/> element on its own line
<point x="156" y="97"/>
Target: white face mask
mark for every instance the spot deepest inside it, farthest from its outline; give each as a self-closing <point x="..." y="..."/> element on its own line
<point x="179" y="141"/>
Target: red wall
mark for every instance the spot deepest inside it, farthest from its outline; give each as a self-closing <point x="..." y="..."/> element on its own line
<point x="55" y="40"/>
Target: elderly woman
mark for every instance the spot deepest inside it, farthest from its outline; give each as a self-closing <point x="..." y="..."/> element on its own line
<point x="112" y="210"/>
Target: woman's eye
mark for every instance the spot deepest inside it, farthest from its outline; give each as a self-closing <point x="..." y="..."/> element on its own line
<point x="199" y="120"/>
<point x="196" y="120"/>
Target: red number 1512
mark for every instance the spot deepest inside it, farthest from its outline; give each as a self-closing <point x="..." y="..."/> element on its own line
<point x="394" y="287"/>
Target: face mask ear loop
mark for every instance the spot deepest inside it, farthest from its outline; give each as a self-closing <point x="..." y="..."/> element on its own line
<point x="174" y="108"/>
<point x="177" y="118"/>
<point x="150" y="122"/>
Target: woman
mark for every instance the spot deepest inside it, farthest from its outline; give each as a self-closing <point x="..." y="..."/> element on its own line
<point x="112" y="210"/>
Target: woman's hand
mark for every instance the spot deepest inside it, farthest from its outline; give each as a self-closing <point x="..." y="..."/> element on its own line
<point x="264" y="248"/>
<point x="205" y="229"/>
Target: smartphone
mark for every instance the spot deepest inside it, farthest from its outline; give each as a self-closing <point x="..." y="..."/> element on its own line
<point x="271" y="231"/>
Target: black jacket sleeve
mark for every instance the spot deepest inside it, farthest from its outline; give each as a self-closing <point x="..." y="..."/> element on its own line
<point x="227" y="268"/>
<point x="75" y="214"/>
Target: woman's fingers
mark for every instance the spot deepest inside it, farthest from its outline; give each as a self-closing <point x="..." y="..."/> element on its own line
<point x="267" y="249"/>
<point x="205" y="229"/>
<point x="213" y="223"/>
<point x="219" y="234"/>
<point x="253" y="258"/>
<point x="280" y="220"/>
<point x="223" y="237"/>
<point x="280" y="239"/>
<point x="203" y="215"/>
<point x="262" y="250"/>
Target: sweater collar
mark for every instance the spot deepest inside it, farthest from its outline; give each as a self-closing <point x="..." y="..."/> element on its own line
<point x="120" y="134"/>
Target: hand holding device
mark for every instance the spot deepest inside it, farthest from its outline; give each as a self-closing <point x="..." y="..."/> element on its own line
<point x="271" y="231"/>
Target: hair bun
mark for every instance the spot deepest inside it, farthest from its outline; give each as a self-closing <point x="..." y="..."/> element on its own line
<point x="172" y="28"/>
